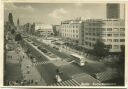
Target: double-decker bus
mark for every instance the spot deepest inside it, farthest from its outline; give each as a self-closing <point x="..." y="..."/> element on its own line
<point x="80" y="60"/>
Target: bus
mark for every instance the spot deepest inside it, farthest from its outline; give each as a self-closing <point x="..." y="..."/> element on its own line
<point x="80" y="60"/>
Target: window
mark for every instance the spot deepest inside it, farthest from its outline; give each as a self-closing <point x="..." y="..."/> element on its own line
<point x="122" y="40"/>
<point x="76" y="31"/>
<point x="104" y="40"/>
<point x="122" y="29"/>
<point x="109" y="35"/>
<point x="116" y="46"/>
<point x="115" y="35"/>
<point x="116" y="40"/>
<point x="93" y="39"/>
<point x="109" y="46"/>
<point x="89" y="38"/>
<point x="93" y="29"/>
<point x="86" y="33"/>
<point x="122" y="34"/>
<point x="109" y="40"/>
<point x="103" y="35"/>
<point x="86" y="38"/>
<point x="103" y="29"/>
<point x="93" y="34"/>
<point x="109" y="29"/>
<point x="89" y="44"/>
<point x="86" y="42"/>
<point x="116" y="29"/>
<point x="98" y="34"/>
<point x="76" y="36"/>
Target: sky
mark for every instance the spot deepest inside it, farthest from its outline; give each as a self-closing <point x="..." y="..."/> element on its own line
<point x="53" y="13"/>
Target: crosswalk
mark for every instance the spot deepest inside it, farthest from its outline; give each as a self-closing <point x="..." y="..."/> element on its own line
<point x="41" y="63"/>
<point x="106" y="75"/>
<point x="70" y="82"/>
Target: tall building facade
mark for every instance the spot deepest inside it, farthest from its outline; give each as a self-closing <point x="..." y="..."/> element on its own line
<point x="113" y="11"/>
<point x="91" y="30"/>
<point x="71" y="30"/>
<point x="86" y="32"/>
<point x="110" y="31"/>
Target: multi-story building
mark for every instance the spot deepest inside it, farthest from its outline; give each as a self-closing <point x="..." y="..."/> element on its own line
<point x="71" y="30"/>
<point x="113" y="11"/>
<point x="43" y="29"/>
<point x="56" y="29"/>
<point x="110" y="31"/>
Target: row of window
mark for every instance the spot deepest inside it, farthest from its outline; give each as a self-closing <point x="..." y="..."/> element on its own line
<point x="115" y="35"/>
<point x="69" y="30"/>
<point x="106" y="40"/>
<point x="107" y="46"/>
<point x="113" y="46"/>
<point x="69" y="35"/>
<point x="70" y="26"/>
<point x="93" y="34"/>
<point x="114" y="40"/>
<point x="105" y="29"/>
<point x="104" y="35"/>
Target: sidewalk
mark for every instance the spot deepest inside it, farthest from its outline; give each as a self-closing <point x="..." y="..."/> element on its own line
<point x="13" y="69"/>
<point x="29" y="71"/>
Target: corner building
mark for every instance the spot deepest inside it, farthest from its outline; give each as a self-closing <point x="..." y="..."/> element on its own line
<point x="109" y="31"/>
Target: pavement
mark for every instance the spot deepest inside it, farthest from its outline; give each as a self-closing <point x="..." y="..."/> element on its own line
<point x="13" y="68"/>
<point x="18" y="60"/>
<point x="27" y="66"/>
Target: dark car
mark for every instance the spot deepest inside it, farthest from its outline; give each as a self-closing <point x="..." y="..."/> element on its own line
<point x="34" y="44"/>
<point x="56" y="48"/>
<point x="42" y="49"/>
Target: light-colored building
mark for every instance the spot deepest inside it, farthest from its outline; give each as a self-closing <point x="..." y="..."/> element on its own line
<point x="110" y="31"/>
<point x="86" y="32"/>
<point x="71" y="30"/>
<point x="43" y="29"/>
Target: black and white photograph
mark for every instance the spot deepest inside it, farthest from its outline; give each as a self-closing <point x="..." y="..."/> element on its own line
<point x="64" y="44"/>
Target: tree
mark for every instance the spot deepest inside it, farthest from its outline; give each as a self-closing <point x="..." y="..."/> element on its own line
<point x="121" y="63"/>
<point x="12" y="31"/>
<point x="99" y="49"/>
<point x="10" y="19"/>
<point x="18" y="37"/>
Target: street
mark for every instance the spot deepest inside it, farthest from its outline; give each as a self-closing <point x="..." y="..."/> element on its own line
<point x="69" y="69"/>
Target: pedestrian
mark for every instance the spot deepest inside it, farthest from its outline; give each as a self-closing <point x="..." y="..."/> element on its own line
<point x="36" y="82"/>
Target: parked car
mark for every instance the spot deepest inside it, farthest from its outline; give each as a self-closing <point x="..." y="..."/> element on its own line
<point x="35" y="44"/>
<point x="42" y="49"/>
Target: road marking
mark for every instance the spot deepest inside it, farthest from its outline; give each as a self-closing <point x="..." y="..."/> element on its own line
<point x="70" y="82"/>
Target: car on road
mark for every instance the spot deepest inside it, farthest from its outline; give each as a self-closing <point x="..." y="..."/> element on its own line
<point x="35" y="44"/>
<point x="42" y="49"/>
<point x="55" y="48"/>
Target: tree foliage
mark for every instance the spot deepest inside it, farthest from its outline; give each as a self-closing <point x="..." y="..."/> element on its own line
<point x="12" y="31"/>
<point x="100" y="49"/>
<point x="18" y="37"/>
